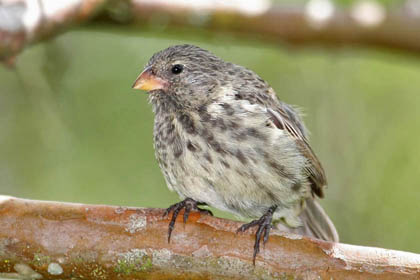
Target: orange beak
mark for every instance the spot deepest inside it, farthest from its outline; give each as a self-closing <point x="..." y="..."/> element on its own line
<point x="148" y="81"/>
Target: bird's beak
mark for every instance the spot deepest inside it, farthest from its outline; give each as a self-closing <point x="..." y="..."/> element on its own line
<point x="148" y="81"/>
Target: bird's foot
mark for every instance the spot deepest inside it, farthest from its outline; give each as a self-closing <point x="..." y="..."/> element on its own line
<point x="188" y="204"/>
<point x="264" y="226"/>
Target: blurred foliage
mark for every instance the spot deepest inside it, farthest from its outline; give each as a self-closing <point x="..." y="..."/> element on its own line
<point x="72" y="129"/>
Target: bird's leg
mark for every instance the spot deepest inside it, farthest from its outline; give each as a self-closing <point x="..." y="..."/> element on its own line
<point x="188" y="204"/>
<point x="264" y="226"/>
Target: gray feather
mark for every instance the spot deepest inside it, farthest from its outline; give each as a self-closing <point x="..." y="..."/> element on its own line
<point x="315" y="223"/>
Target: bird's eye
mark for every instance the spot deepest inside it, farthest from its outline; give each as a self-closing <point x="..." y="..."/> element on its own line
<point x="177" y="68"/>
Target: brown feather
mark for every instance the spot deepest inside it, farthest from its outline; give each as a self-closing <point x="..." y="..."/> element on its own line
<point x="284" y="118"/>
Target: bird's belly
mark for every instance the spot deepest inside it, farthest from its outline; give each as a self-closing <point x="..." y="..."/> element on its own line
<point x="239" y="180"/>
<point x="244" y="170"/>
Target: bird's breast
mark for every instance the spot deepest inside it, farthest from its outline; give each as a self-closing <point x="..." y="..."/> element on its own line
<point x="230" y="160"/>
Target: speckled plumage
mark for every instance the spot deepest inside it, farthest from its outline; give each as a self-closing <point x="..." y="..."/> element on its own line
<point x="223" y="138"/>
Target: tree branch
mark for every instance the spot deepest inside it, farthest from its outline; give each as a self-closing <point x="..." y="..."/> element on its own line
<point x="23" y="22"/>
<point x="51" y="240"/>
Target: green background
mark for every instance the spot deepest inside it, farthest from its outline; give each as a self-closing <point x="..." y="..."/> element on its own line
<point x="72" y="129"/>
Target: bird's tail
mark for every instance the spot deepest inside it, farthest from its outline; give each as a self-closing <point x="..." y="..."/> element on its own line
<point x="315" y="223"/>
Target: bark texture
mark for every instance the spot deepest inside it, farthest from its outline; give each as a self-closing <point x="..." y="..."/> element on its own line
<point x="55" y="240"/>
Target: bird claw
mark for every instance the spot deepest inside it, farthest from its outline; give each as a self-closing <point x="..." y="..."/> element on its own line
<point x="188" y="204"/>
<point x="264" y="227"/>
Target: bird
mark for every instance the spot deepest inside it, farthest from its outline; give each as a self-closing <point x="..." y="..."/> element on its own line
<point x="223" y="139"/>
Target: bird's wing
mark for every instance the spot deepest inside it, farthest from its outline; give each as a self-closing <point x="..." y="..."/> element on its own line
<point x="285" y="117"/>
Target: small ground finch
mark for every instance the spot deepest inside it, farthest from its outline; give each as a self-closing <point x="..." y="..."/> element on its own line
<point x="223" y="139"/>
